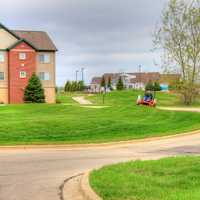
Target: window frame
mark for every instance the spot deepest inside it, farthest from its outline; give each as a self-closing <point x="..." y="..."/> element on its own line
<point x="44" y="76"/>
<point x="46" y="58"/>
<point x="3" y="56"/>
<point x="22" y="57"/>
<point x="3" y="76"/>
<point x="20" y="74"/>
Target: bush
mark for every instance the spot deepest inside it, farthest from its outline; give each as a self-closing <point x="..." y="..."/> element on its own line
<point x="157" y="86"/>
<point x="34" y="92"/>
<point x="153" y="86"/>
<point x="58" y="101"/>
<point x="149" y="86"/>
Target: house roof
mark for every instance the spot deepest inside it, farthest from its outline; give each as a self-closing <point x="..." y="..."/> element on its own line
<point x="9" y="31"/>
<point x="20" y="41"/>
<point x="139" y="77"/>
<point x="38" y="39"/>
<point x="96" y="80"/>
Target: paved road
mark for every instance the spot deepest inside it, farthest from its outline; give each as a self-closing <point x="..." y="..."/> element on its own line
<point x="36" y="174"/>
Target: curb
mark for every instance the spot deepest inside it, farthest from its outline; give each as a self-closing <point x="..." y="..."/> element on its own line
<point x="85" y="189"/>
<point x="98" y="145"/>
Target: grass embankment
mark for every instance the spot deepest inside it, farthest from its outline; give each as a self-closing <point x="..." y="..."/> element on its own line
<point x="69" y="123"/>
<point x="165" y="179"/>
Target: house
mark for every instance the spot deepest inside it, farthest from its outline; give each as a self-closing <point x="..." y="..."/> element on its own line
<point x="95" y="85"/>
<point x="136" y="80"/>
<point x="23" y="53"/>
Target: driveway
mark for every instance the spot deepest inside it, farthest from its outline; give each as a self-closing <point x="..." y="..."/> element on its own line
<point x="36" y="174"/>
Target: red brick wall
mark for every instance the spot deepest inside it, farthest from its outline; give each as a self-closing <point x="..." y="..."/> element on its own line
<point x="17" y="84"/>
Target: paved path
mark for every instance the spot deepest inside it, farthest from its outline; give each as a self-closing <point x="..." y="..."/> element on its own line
<point x="186" y="109"/>
<point x="37" y="174"/>
<point x="81" y="100"/>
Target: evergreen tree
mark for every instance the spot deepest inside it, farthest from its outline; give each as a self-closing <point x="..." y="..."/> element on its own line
<point x="67" y="86"/>
<point x="120" y="84"/>
<point x="73" y="86"/>
<point x="34" y="91"/>
<point x="103" y="82"/>
<point x="81" y="85"/>
<point x="157" y="86"/>
<point x="109" y="85"/>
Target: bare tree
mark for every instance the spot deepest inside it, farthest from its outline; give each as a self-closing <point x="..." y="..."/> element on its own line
<point x="179" y="36"/>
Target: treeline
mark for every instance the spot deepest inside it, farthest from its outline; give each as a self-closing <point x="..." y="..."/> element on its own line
<point x="119" y="86"/>
<point x="74" y="86"/>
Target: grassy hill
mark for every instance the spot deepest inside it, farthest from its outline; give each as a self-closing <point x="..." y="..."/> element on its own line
<point x="70" y="123"/>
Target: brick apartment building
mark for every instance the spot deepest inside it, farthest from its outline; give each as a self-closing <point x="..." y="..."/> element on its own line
<point x="134" y="80"/>
<point x="23" y="53"/>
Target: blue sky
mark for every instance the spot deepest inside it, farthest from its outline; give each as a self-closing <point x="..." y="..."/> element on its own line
<point x="99" y="35"/>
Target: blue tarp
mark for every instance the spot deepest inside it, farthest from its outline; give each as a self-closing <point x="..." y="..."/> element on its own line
<point x="164" y="87"/>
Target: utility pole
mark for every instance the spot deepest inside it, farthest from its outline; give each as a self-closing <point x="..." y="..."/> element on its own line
<point x="77" y="75"/>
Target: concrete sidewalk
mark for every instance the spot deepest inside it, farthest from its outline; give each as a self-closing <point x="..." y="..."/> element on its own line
<point x="81" y="100"/>
<point x="182" y="109"/>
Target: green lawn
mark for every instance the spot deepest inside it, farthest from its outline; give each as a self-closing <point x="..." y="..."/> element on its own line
<point x="70" y="123"/>
<point x="165" y="179"/>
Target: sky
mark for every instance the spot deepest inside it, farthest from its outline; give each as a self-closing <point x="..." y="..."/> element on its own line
<point x="100" y="36"/>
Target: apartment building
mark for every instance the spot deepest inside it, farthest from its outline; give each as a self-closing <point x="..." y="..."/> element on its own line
<point x="23" y="53"/>
<point x="136" y="80"/>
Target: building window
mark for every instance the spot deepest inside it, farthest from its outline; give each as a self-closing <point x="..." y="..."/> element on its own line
<point x="22" y="74"/>
<point x="22" y="56"/>
<point x="44" y="58"/>
<point x="2" y="59"/>
<point x="44" y="76"/>
<point x="1" y="76"/>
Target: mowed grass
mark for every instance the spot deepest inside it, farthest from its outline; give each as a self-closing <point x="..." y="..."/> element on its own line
<point x="165" y="179"/>
<point x="69" y="123"/>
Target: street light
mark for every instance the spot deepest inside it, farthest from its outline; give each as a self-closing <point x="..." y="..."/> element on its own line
<point x="82" y="73"/>
<point x="77" y="75"/>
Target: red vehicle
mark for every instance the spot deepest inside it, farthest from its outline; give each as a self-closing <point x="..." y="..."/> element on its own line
<point x="148" y="99"/>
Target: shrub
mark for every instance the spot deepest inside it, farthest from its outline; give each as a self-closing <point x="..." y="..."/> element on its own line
<point x="34" y="91"/>
<point x="157" y="86"/>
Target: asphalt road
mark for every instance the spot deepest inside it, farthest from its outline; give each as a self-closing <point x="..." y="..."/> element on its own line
<point x="36" y="174"/>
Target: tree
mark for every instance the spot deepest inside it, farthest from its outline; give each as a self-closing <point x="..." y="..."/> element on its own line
<point x="74" y="86"/>
<point x="157" y="86"/>
<point x="81" y="86"/>
<point x="109" y="85"/>
<point x="120" y="84"/>
<point x="149" y="86"/>
<point x="67" y="86"/>
<point x="179" y="37"/>
<point x="34" y="92"/>
<point x="103" y="82"/>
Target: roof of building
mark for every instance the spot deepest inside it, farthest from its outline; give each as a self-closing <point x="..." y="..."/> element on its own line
<point x="96" y="80"/>
<point x="38" y="39"/>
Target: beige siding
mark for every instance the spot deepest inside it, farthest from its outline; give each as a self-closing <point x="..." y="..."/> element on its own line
<point x="50" y="95"/>
<point x="4" y="95"/>
<point x="49" y="85"/>
<point x="4" y="83"/>
<point x="6" y="39"/>
<point x="4" y="68"/>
